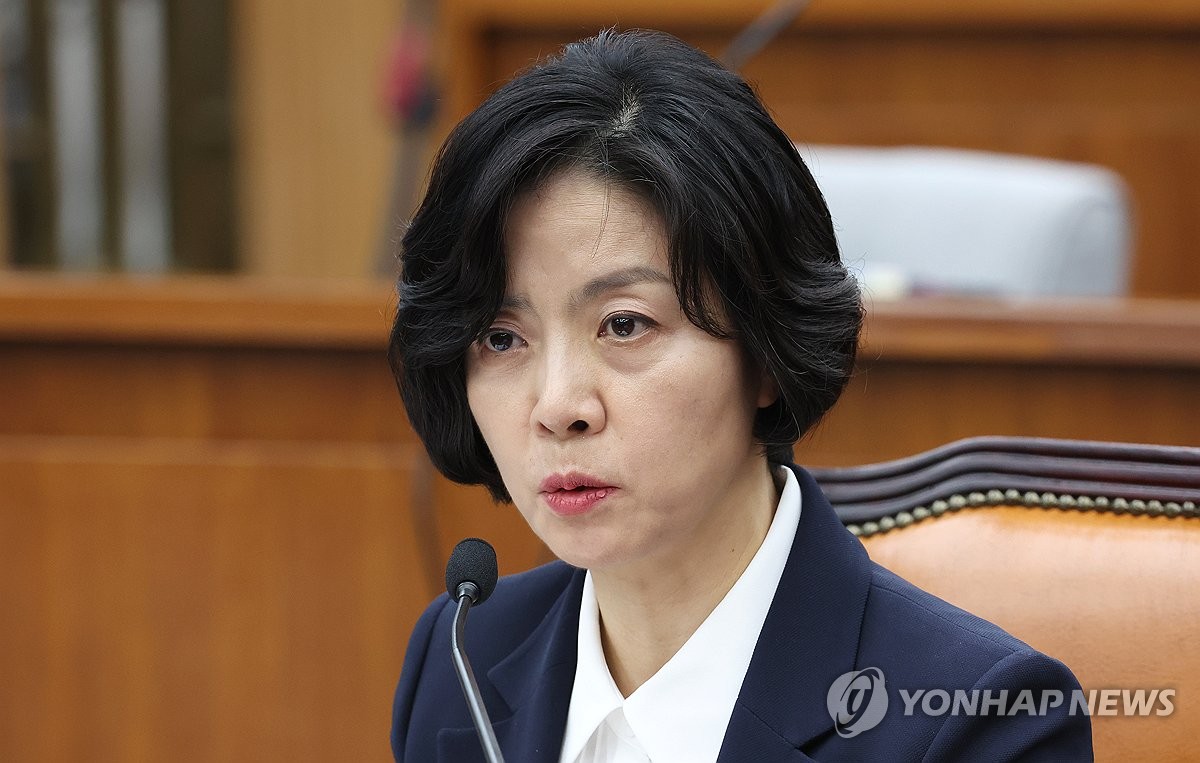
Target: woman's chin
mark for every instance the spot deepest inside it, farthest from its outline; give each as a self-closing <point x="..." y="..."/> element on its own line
<point x="588" y="552"/>
<point x="582" y="556"/>
<point x="593" y="544"/>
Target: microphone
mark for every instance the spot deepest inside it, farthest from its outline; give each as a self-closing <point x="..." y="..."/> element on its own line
<point x="470" y="579"/>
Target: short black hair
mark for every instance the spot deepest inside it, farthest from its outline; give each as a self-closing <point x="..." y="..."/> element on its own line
<point x="744" y="220"/>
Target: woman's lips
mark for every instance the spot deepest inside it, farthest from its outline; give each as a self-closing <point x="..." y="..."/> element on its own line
<point x="569" y="503"/>
<point x="573" y="493"/>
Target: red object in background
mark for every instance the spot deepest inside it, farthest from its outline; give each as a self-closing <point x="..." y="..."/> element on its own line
<point x="408" y="86"/>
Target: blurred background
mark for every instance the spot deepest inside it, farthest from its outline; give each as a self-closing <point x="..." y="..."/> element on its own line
<point x="216" y="528"/>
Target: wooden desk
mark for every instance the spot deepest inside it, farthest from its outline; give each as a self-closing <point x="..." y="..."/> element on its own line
<point x="938" y="370"/>
<point x="207" y="542"/>
<point x="1100" y="81"/>
<point x="216" y="528"/>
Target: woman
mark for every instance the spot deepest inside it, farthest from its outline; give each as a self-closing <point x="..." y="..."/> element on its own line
<point x="621" y="302"/>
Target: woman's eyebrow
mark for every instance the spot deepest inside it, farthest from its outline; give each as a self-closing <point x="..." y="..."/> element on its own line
<point x="516" y="303"/>
<point x="618" y="279"/>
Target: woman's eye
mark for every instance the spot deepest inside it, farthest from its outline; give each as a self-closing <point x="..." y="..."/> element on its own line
<point x="501" y="341"/>
<point x="626" y="326"/>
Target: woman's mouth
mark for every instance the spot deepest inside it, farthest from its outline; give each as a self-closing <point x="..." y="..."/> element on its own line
<point x="573" y="493"/>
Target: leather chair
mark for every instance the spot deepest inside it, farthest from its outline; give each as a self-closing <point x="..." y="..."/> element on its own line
<point x="1089" y="552"/>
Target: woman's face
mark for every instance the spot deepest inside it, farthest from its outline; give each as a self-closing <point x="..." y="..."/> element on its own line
<point x="621" y="430"/>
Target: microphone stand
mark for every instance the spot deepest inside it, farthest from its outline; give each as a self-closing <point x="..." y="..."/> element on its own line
<point x="468" y="592"/>
<point x="761" y="31"/>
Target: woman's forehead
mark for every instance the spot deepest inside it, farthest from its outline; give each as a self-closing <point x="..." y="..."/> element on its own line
<point x="580" y="201"/>
<point x="575" y="229"/>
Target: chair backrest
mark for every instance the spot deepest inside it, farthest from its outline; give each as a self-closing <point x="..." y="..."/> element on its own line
<point x="1089" y="552"/>
<point x="947" y="220"/>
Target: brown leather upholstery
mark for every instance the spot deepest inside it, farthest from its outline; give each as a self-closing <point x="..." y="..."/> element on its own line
<point x="1113" y="594"/>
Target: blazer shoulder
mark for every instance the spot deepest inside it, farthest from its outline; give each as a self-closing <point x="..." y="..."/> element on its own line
<point x="902" y="615"/>
<point x="428" y="684"/>
<point x="922" y="644"/>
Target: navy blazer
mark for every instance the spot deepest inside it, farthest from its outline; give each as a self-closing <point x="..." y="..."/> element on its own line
<point x="835" y="611"/>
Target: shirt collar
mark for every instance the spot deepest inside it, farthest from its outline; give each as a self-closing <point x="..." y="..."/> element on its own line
<point x="682" y="711"/>
<point x="595" y="695"/>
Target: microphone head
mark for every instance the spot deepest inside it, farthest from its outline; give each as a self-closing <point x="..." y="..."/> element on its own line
<point x="472" y="560"/>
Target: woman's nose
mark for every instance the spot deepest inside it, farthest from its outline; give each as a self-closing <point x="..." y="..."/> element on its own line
<point x="568" y="398"/>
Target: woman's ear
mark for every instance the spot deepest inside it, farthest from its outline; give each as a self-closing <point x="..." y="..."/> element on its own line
<point x="768" y="390"/>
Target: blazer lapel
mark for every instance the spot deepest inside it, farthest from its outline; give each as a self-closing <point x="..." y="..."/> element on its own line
<point x="810" y="637"/>
<point x="535" y="681"/>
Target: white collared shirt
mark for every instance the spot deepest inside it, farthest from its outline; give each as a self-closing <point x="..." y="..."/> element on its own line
<point x="681" y="712"/>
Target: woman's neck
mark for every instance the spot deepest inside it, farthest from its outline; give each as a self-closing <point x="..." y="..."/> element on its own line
<point x="648" y="614"/>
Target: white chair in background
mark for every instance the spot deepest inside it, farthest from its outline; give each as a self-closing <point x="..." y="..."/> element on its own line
<point x="935" y="220"/>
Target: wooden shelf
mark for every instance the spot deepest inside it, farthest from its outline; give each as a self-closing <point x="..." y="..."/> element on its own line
<point x="1111" y="332"/>
<point x="197" y="310"/>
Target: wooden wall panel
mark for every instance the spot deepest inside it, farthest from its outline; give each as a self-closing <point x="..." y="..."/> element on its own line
<point x="469" y="511"/>
<point x="315" y="146"/>
<point x="895" y="409"/>
<point x="210" y="392"/>
<point x="189" y="601"/>
<point x="212" y="542"/>
<point x="233" y="358"/>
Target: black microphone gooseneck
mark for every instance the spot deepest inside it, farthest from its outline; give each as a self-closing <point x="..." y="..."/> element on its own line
<point x="470" y="579"/>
